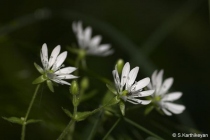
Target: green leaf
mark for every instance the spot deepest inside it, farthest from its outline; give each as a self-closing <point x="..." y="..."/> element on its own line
<point x="38" y="68"/>
<point x="33" y="121"/>
<point x="122" y="107"/>
<point x="83" y="115"/>
<point x="38" y="80"/>
<point x="68" y="113"/>
<point x="112" y="89"/>
<point x="14" y="120"/>
<point x="50" y="85"/>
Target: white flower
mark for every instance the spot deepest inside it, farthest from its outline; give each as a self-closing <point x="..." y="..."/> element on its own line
<point x="90" y="45"/>
<point x="161" y="96"/>
<point x="51" y="68"/>
<point x="128" y="89"/>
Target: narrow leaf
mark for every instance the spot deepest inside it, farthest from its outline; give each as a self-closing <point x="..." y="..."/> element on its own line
<point x="14" y="120"/>
<point x="68" y="113"/>
<point x="33" y="121"/>
<point x="83" y="115"/>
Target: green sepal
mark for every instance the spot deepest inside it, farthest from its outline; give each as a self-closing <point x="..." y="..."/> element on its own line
<point x="114" y="101"/>
<point x="67" y="112"/>
<point x="112" y="89"/>
<point x="33" y="121"/>
<point x="50" y="85"/>
<point x="80" y="116"/>
<point x="14" y="120"/>
<point x="39" y="68"/>
<point x="38" y="80"/>
<point x="148" y="109"/>
<point x="122" y="107"/>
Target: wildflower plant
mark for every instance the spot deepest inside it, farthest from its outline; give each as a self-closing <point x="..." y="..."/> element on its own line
<point x="124" y="86"/>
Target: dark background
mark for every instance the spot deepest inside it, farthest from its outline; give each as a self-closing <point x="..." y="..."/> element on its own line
<point x="171" y="35"/>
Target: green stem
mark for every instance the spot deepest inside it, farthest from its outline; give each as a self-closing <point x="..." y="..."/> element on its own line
<point x="94" y="128"/>
<point x="115" y="124"/>
<point x="142" y="128"/>
<point x="66" y="130"/>
<point x="28" y="111"/>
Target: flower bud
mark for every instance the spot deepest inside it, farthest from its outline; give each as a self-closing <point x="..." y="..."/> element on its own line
<point x="84" y="83"/>
<point x="120" y="64"/>
<point x="74" y="88"/>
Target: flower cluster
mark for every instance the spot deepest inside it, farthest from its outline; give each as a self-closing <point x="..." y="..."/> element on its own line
<point x="127" y="89"/>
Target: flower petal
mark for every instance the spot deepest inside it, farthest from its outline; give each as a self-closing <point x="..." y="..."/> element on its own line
<point x="44" y="55"/>
<point x="65" y="70"/>
<point x="116" y="79"/>
<point x="54" y="55"/>
<point x="142" y="83"/>
<point x="159" y="80"/>
<point x="103" y="48"/>
<point x="174" y="108"/>
<point x="67" y="76"/>
<point x="166" y="112"/>
<point x="107" y="53"/>
<point x="138" y="101"/>
<point x="166" y="85"/>
<point x="143" y="93"/>
<point x="154" y="76"/>
<point x="95" y="41"/>
<point x="59" y="81"/>
<point x="87" y="34"/>
<point x="59" y="61"/>
<point x="172" y="96"/>
<point x="125" y="72"/>
<point x="132" y="76"/>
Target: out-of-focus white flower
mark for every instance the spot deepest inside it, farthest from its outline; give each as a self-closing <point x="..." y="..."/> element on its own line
<point x="52" y="68"/>
<point x="91" y="45"/>
<point x="161" y="97"/>
<point x="128" y="89"/>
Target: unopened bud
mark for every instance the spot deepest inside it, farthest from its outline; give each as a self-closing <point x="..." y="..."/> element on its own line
<point x="84" y="83"/>
<point x="74" y="88"/>
<point x="120" y="64"/>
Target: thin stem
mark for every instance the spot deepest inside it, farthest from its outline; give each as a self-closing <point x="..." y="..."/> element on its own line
<point x="66" y="130"/>
<point x="23" y="131"/>
<point x="28" y="111"/>
<point x="94" y="128"/>
<point x="142" y="128"/>
<point x="115" y="124"/>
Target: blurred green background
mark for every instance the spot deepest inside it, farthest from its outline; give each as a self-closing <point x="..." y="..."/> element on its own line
<point x="171" y="35"/>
